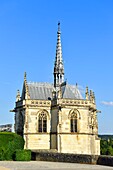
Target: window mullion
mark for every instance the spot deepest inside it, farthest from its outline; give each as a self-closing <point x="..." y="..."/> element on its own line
<point x="42" y="124"/>
<point x="73" y="125"/>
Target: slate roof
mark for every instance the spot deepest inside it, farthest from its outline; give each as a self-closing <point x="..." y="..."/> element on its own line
<point x="43" y="91"/>
<point x="40" y="90"/>
<point x="71" y="92"/>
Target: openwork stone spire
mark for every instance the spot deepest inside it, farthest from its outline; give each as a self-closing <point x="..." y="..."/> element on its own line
<point x="58" y="67"/>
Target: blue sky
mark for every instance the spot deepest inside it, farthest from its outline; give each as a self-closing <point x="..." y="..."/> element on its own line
<point x="28" y="34"/>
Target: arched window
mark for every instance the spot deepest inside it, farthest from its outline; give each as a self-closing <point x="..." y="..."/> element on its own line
<point x="73" y="122"/>
<point x="74" y="116"/>
<point x="42" y="122"/>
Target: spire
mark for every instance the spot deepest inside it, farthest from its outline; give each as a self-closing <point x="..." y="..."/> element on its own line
<point x="58" y="66"/>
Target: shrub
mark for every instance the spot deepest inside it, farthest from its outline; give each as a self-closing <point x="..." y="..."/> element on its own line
<point x="9" y="143"/>
<point x="23" y="155"/>
<point x="2" y="153"/>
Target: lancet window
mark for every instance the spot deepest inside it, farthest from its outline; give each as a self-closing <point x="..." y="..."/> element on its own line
<point x="42" y="122"/>
<point x="73" y="122"/>
<point x="74" y="116"/>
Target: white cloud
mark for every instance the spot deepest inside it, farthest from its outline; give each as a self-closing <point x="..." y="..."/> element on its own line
<point x="107" y="103"/>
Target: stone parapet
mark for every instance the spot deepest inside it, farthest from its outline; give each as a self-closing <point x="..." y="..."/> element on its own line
<point x="74" y="102"/>
<point x="64" y="157"/>
<point x="33" y="103"/>
<point x="53" y="156"/>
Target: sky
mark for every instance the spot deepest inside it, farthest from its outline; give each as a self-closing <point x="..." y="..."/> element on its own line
<point x="28" y="35"/>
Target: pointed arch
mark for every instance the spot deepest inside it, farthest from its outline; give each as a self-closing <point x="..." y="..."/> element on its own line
<point x="43" y="116"/>
<point x="74" y="116"/>
<point x="74" y="112"/>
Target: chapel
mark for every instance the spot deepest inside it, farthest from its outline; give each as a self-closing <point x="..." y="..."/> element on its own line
<point x="55" y="116"/>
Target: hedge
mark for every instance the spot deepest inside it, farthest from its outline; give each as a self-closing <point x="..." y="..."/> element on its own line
<point x="2" y="153"/>
<point x="23" y="155"/>
<point x="9" y="143"/>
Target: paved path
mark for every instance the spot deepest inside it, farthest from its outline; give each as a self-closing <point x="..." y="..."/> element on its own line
<point x="40" y="165"/>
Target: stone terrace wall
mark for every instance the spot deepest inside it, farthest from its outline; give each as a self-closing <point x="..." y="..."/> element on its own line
<point x="105" y="160"/>
<point x="63" y="157"/>
<point x="72" y="158"/>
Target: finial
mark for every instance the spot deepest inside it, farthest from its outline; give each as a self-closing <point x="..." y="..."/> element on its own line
<point x="24" y="75"/>
<point x="87" y="93"/>
<point x="93" y="97"/>
<point x="27" y="96"/>
<point x="18" y="96"/>
<point x="86" y="89"/>
<point x="58" y="26"/>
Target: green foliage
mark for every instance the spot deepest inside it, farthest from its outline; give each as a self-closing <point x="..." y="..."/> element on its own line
<point x="23" y="155"/>
<point x="9" y="143"/>
<point x="2" y="153"/>
<point x="106" y="147"/>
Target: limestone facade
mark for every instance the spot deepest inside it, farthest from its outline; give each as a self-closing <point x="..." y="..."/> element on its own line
<point x="57" y="116"/>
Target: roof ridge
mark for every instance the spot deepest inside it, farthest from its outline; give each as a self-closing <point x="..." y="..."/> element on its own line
<point x="40" y="83"/>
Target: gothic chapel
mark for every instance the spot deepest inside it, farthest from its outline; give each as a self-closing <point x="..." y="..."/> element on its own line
<point x="56" y="116"/>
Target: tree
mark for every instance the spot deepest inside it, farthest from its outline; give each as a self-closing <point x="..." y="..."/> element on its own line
<point x="106" y="147"/>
